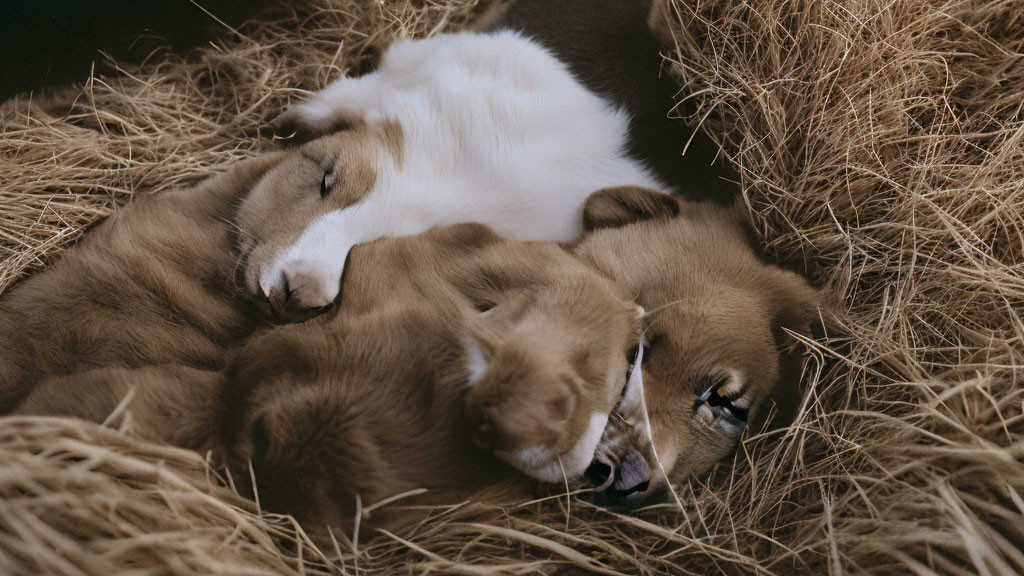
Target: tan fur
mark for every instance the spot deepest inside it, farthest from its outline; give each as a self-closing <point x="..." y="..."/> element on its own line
<point x="558" y="323"/>
<point x="170" y="403"/>
<point x="379" y="396"/>
<point x="368" y="400"/>
<point x="376" y="398"/>
<point x="714" y="309"/>
<point x="151" y="285"/>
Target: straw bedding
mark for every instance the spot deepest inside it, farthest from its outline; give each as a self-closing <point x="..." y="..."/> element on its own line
<point x="881" y="149"/>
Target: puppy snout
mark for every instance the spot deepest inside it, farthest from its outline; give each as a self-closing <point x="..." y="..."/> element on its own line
<point x="488" y="432"/>
<point x="626" y="484"/>
<point x="305" y="287"/>
<point x="299" y="291"/>
<point x="632" y="476"/>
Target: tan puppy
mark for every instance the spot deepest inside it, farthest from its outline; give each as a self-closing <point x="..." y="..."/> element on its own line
<point x="427" y="355"/>
<point x="715" y="333"/>
<point x="556" y="345"/>
<point x="150" y="285"/>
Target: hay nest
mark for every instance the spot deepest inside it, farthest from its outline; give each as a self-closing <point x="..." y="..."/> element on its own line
<point x="881" y="144"/>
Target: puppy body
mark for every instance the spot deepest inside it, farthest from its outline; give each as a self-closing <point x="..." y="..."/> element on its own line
<point x="488" y="128"/>
<point x="417" y="386"/>
<point x="151" y="285"/>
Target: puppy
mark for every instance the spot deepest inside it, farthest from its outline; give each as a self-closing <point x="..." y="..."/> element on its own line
<point x="150" y="285"/>
<point x="718" y="326"/>
<point x="467" y="127"/>
<point x="509" y="349"/>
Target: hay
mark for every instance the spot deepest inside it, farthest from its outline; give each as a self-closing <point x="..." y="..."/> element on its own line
<point x="879" y="144"/>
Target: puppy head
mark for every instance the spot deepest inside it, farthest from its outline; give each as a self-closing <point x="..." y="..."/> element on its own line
<point x="546" y="368"/>
<point x="718" y="321"/>
<point x="293" y="247"/>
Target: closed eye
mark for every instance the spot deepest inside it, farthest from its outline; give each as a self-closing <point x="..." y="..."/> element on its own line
<point x="727" y="405"/>
<point x="714" y="399"/>
<point x="324" y="185"/>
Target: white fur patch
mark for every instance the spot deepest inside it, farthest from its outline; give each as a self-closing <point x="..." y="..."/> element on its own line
<point x="495" y="130"/>
<point x="633" y="395"/>
<point x="540" y="463"/>
<point x="476" y="360"/>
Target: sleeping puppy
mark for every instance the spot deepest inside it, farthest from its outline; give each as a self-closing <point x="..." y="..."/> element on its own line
<point x="513" y="127"/>
<point x="150" y="285"/>
<point x="466" y="127"/>
<point x="480" y="346"/>
<point x="717" y="331"/>
<point x="145" y="305"/>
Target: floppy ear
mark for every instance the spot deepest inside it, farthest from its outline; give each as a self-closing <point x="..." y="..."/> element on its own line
<point x="464" y="236"/>
<point x="795" y="306"/>
<point x="615" y="207"/>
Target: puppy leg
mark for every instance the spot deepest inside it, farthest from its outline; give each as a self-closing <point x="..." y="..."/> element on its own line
<point x="172" y="403"/>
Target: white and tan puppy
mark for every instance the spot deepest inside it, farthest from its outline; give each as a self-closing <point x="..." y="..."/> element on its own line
<point x="468" y="127"/>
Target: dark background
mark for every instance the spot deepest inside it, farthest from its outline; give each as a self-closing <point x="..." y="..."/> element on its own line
<point x="54" y="42"/>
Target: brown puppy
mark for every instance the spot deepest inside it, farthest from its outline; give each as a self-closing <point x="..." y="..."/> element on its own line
<point x="718" y="320"/>
<point x="444" y="338"/>
<point x="555" y="345"/>
<point x="150" y="285"/>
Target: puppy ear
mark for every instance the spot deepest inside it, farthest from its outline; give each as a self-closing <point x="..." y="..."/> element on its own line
<point x="622" y="205"/>
<point x="795" y="306"/>
<point x="464" y="236"/>
<point x="218" y="196"/>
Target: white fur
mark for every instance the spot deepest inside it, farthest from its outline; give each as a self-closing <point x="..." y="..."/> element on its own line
<point x="539" y="463"/>
<point x="496" y="130"/>
<point x="476" y="361"/>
